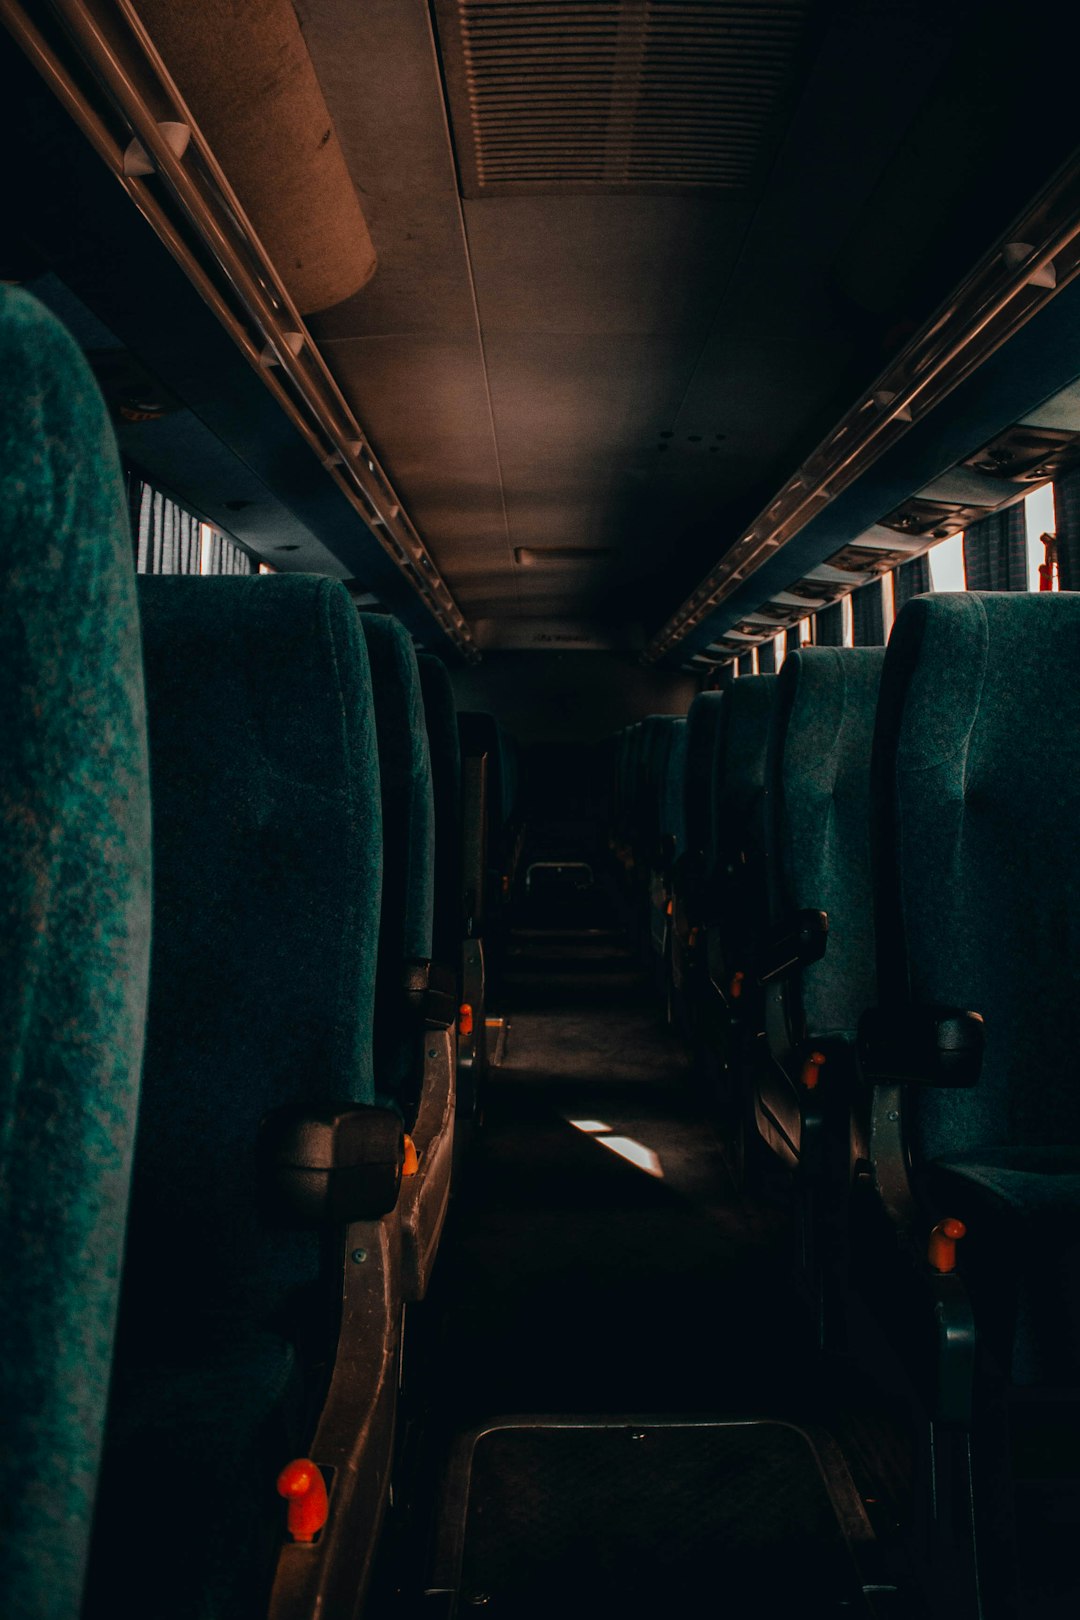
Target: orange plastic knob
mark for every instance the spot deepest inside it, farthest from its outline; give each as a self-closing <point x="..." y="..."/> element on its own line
<point x="737" y="984"/>
<point x="302" y="1484"/>
<point x="412" y="1159"/>
<point x="465" y="1019"/>
<point x="941" y="1250"/>
<point x="811" y="1070"/>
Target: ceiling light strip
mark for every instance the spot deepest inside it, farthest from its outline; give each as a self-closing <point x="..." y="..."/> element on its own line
<point x="1005" y="290"/>
<point x="253" y="305"/>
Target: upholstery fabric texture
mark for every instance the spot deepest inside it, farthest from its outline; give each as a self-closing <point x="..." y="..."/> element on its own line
<point x="444" y="747"/>
<point x="267" y="852"/>
<point x="702" y="730"/>
<point x="976" y="796"/>
<point x="408" y="815"/>
<point x="75" y="892"/>
<point x="673" y="791"/>
<point x="818" y="822"/>
<point x="738" y="854"/>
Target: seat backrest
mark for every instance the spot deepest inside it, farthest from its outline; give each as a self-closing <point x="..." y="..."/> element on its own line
<point x="738" y="854"/>
<point x="702" y="731"/>
<point x="408" y="814"/>
<point x="267" y="871"/>
<point x="976" y="799"/>
<point x="673" y="793"/>
<point x="444" y="747"/>
<point x="656" y="733"/>
<point x="75" y="892"/>
<point x="818" y="822"/>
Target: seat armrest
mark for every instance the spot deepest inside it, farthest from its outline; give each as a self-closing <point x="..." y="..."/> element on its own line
<point x="927" y="1045"/>
<point x="796" y="941"/>
<point x="330" y="1163"/>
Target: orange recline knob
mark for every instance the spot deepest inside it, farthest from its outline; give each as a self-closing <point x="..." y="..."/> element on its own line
<point x="941" y="1250"/>
<point x="737" y="984"/>
<point x="811" y="1070"/>
<point x="412" y="1159"/>
<point x="301" y="1482"/>
<point x="465" y="1019"/>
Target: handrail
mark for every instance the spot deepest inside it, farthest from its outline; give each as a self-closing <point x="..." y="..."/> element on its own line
<point x="247" y="295"/>
<point x="1004" y="290"/>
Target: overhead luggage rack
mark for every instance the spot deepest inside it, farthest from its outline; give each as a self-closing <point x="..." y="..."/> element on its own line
<point x="110" y="78"/>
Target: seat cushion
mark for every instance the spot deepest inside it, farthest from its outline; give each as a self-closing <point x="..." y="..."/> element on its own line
<point x="1021" y="1255"/>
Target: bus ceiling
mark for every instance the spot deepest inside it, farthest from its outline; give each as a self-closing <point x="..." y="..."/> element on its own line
<point x="558" y="326"/>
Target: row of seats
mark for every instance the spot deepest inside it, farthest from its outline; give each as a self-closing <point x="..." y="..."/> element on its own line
<point x="231" y="1009"/>
<point x="870" y="933"/>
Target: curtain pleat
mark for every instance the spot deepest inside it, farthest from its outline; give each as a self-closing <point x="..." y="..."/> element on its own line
<point x="995" y="552"/>
<point x="766" y="658"/>
<point x="792" y="640"/>
<point x="829" y="626"/>
<point x="868" y="615"/>
<point x="911" y="579"/>
<point x="1067" y="527"/>
<point x="169" y="540"/>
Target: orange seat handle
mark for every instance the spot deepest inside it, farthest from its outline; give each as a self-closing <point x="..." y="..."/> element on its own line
<point x="465" y="1019"/>
<point x="811" y="1070"/>
<point x="411" y="1162"/>
<point x="737" y="984"/>
<point x="941" y="1249"/>
<point x="302" y="1484"/>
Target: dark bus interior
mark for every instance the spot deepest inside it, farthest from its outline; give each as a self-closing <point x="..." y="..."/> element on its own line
<point x="541" y="552"/>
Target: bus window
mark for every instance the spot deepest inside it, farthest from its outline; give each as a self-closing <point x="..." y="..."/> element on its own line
<point x="947" y="564"/>
<point x="848" y="615"/>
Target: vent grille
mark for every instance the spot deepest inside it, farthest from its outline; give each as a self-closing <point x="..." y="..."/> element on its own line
<point x="643" y="95"/>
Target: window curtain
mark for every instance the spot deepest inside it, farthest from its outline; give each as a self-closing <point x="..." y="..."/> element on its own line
<point x="911" y="579"/>
<point x="792" y="640"/>
<point x="1067" y="506"/>
<point x="868" y="615"/>
<point x="766" y="658"/>
<point x="995" y="551"/>
<point x="169" y="540"/>
<point x="829" y="626"/>
<point x="746" y="664"/>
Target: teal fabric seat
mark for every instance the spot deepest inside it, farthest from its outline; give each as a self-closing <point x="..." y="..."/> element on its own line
<point x="673" y="796"/>
<point x="737" y="882"/>
<point x="408" y="816"/>
<point x="267" y="872"/>
<point x="444" y="746"/>
<point x="818" y="829"/>
<point x="702" y="733"/>
<point x="75" y="893"/>
<point x="977" y="800"/>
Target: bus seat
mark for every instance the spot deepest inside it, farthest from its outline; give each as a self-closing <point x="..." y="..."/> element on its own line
<point x="976" y="794"/>
<point x="444" y="746"/>
<point x="669" y="762"/>
<point x="75" y="876"/>
<point x="267" y="870"/>
<point x="416" y="1000"/>
<point x="818" y="861"/>
<point x="736" y="891"/>
<point x="817" y="964"/>
<point x="737" y="884"/>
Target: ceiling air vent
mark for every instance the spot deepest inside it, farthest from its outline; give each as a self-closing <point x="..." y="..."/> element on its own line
<point x="627" y="95"/>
